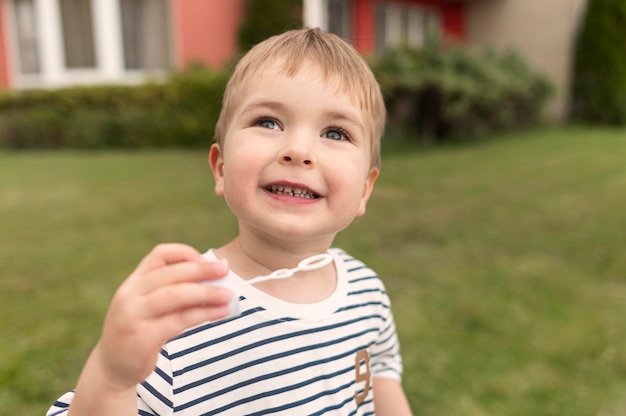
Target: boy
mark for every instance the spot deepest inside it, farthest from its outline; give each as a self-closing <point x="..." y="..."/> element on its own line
<point x="296" y="157"/>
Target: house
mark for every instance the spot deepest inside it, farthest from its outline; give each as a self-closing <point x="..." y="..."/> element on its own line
<point x="57" y="43"/>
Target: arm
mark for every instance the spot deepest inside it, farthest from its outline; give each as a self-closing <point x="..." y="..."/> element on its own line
<point x="160" y="299"/>
<point x="389" y="398"/>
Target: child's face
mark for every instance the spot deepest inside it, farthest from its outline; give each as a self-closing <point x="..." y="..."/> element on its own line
<point x="295" y="163"/>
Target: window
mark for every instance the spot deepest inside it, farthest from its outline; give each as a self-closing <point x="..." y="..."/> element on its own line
<point x="145" y="34"/>
<point x="77" y="23"/>
<point x="72" y="42"/>
<point x="26" y="27"/>
<point x="339" y="18"/>
<point x="401" y="24"/>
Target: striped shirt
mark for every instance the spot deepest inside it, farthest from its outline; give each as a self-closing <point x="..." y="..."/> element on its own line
<point x="278" y="357"/>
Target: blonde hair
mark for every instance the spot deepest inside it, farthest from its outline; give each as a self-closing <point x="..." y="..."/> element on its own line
<point x="336" y="59"/>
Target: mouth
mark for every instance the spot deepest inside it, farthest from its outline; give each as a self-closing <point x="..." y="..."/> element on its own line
<point x="294" y="191"/>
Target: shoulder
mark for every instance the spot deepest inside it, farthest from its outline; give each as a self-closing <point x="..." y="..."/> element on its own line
<point x="351" y="265"/>
<point x="359" y="276"/>
<point x="348" y="262"/>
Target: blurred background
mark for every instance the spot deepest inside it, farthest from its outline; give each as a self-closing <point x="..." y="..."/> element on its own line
<point x="497" y="223"/>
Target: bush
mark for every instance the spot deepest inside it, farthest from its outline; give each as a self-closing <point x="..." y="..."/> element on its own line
<point x="452" y="93"/>
<point x="180" y="112"/>
<point x="599" y="81"/>
<point x="265" y="18"/>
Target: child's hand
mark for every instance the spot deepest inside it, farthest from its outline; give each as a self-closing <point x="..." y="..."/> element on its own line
<point x="160" y="299"/>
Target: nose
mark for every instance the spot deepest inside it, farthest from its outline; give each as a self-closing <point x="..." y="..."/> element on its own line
<point x="296" y="152"/>
<point x="289" y="159"/>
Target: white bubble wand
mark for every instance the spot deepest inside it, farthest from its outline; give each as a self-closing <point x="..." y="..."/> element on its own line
<point x="310" y="263"/>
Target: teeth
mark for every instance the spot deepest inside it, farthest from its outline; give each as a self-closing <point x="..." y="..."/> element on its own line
<point x="291" y="191"/>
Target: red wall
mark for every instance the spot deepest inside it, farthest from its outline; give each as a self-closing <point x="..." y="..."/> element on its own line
<point x="206" y="30"/>
<point x="364" y="31"/>
<point x="4" y="65"/>
<point x="453" y="20"/>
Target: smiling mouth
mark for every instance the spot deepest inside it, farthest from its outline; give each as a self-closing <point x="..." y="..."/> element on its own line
<point x="292" y="191"/>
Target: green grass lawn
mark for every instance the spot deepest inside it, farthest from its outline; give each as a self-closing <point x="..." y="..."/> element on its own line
<point x="505" y="260"/>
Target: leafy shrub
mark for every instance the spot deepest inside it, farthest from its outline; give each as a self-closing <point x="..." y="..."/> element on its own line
<point x="599" y="81"/>
<point x="451" y="92"/>
<point x="265" y="18"/>
<point x="180" y="112"/>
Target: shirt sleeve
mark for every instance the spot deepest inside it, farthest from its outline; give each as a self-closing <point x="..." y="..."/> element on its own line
<point x="62" y="405"/>
<point x="156" y="391"/>
<point x="385" y="358"/>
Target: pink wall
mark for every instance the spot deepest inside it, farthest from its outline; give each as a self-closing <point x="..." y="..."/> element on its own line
<point x="4" y="65"/>
<point x="206" y="30"/>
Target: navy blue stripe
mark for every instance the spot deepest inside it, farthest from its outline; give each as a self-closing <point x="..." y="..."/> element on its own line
<point x="61" y="404"/>
<point x="276" y="391"/>
<point x="388" y="352"/>
<point x="227" y="337"/>
<point x="144" y="413"/>
<point x="277" y="356"/>
<point x="275" y="409"/>
<point x="340" y="405"/>
<point x="201" y="328"/>
<point x="157" y="394"/>
<point x="361" y="305"/>
<point x="65" y="408"/>
<point x="272" y="340"/>
<point x="363" y="279"/>
<point x="389" y="331"/>
<point x="308" y="400"/>
<point x="269" y="341"/>
<point x="364" y="403"/>
<point x="163" y="375"/>
<point x="360" y="292"/>
<point x="354" y="269"/>
<point x="386" y="340"/>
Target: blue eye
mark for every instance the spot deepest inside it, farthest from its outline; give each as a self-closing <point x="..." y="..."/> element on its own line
<point x="268" y="124"/>
<point x="336" y="134"/>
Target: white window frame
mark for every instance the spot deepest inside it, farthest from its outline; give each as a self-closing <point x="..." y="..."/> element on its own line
<point x="420" y="21"/>
<point x="315" y="13"/>
<point x="106" y="18"/>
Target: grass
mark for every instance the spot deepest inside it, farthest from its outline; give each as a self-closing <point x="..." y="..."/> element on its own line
<point x="504" y="259"/>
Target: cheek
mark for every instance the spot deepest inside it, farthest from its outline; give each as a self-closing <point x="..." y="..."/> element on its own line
<point x="347" y="185"/>
<point x="240" y="177"/>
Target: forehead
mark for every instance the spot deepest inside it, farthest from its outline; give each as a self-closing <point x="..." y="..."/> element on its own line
<point x="337" y="83"/>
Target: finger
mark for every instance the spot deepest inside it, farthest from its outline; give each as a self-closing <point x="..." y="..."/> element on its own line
<point x="165" y="254"/>
<point x="186" y="272"/>
<point x="175" y="323"/>
<point x="176" y="298"/>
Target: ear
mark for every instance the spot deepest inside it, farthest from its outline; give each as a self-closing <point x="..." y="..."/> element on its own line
<point x="216" y="161"/>
<point x="367" y="190"/>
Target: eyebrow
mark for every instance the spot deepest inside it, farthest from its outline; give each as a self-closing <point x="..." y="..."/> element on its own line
<point x="277" y="106"/>
<point x="272" y="105"/>
<point x="336" y="115"/>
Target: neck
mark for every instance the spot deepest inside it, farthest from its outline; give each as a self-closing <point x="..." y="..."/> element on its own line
<point x="249" y="258"/>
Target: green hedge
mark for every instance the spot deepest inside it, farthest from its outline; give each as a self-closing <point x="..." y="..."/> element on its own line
<point x="599" y="79"/>
<point x="448" y="92"/>
<point x="180" y="112"/>
<point x="443" y="92"/>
